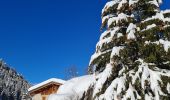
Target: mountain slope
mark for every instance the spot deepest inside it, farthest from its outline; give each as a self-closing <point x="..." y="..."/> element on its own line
<point x="12" y="85"/>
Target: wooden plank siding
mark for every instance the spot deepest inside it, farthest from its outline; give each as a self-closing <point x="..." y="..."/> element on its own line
<point x="46" y="90"/>
<point x="52" y="88"/>
<point x="42" y="90"/>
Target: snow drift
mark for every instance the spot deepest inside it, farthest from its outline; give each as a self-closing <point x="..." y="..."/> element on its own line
<point x="73" y="89"/>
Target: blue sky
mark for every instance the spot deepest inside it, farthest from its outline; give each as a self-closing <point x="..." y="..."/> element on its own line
<point x="41" y="38"/>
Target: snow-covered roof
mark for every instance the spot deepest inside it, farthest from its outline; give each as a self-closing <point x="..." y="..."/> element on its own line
<point x="54" y="80"/>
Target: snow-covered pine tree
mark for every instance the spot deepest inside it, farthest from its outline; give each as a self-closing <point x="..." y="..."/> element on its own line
<point x="132" y="57"/>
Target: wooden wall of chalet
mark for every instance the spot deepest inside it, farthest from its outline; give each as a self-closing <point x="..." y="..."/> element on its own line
<point x="46" y="90"/>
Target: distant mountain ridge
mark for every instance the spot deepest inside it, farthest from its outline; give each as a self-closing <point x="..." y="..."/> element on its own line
<point x="12" y="85"/>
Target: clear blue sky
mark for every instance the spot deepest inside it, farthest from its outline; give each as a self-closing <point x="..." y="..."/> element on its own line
<point x="40" y="38"/>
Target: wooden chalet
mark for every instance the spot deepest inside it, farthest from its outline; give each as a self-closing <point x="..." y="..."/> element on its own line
<point x="42" y="90"/>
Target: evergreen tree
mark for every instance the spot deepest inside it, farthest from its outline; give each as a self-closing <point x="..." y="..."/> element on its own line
<point x="132" y="57"/>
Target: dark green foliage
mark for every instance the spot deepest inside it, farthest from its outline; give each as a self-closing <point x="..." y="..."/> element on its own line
<point x="167" y="14"/>
<point x="101" y="61"/>
<point x="109" y="81"/>
<point x="167" y="32"/>
<point x="146" y="47"/>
